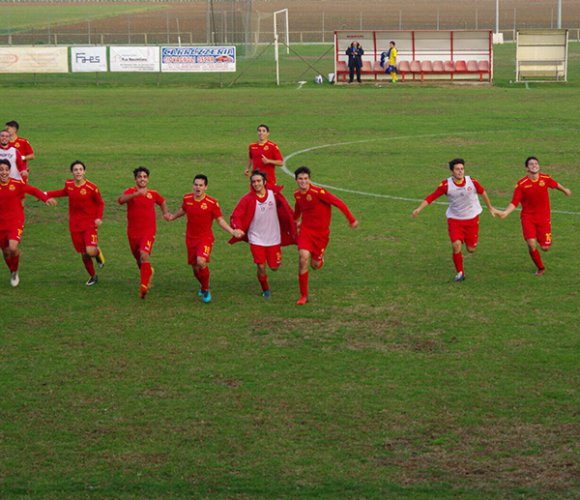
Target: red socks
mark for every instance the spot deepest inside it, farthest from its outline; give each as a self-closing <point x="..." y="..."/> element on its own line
<point x="458" y="261"/>
<point x="12" y="262"/>
<point x="203" y="277"/>
<point x="145" y="273"/>
<point x="535" y="255"/>
<point x="89" y="266"/>
<point x="264" y="282"/>
<point x="303" y="281"/>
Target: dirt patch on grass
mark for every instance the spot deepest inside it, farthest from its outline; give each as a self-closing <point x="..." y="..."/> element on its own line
<point x="533" y="458"/>
<point x="359" y="327"/>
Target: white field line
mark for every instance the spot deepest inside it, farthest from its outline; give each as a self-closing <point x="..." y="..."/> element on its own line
<point x="376" y="195"/>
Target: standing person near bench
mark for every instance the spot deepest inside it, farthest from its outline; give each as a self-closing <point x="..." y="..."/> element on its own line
<point x="354" y="53"/>
<point x="389" y="61"/>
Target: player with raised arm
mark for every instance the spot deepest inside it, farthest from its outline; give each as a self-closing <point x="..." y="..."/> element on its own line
<point x="142" y="224"/>
<point x="532" y="192"/>
<point x="264" y="219"/>
<point x="201" y="210"/>
<point x="264" y="156"/>
<point x="462" y="213"/>
<point x="18" y="170"/>
<point x="313" y="211"/>
<point x="12" y="192"/>
<point x="85" y="210"/>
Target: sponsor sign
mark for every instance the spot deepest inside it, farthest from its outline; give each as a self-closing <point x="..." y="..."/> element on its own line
<point x="33" y="59"/>
<point x="198" y="59"/>
<point x="141" y="59"/>
<point x="88" y="59"/>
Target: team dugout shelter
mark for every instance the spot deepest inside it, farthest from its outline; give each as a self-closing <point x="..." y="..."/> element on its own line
<point x="447" y="55"/>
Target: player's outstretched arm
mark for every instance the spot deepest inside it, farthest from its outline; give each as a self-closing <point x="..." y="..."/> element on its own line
<point x="564" y="190"/>
<point x="504" y="213"/>
<point x="236" y="233"/>
<point x="180" y="213"/>
<point x="248" y="168"/>
<point x="421" y="206"/>
<point x="490" y="207"/>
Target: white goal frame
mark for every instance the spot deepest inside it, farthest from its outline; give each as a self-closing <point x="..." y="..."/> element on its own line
<point x="276" y="48"/>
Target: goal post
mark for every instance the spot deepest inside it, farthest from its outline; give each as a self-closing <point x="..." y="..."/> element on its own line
<point x="276" y="38"/>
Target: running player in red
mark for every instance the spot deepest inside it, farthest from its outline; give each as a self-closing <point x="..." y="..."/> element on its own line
<point x="141" y="223"/>
<point x="463" y="212"/>
<point x="18" y="168"/>
<point x="313" y="210"/>
<point x="532" y="193"/>
<point x="201" y="210"/>
<point x="20" y="143"/>
<point x="264" y="219"/>
<point x="12" y="193"/>
<point x="85" y="211"/>
<point x="264" y="156"/>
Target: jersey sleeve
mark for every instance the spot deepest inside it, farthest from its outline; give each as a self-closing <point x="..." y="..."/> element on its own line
<point x="478" y="186"/>
<point x="277" y="155"/>
<point x="217" y="211"/>
<point x="127" y="191"/>
<point x="27" y="148"/>
<point x="440" y="191"/>
<point x="159" y="199"/>
<point x="57" y="193"/>
<point x="552" y="183"/>
<point x="37" y="193"/>
<point x="517" y="197"/>
<point x="99" y="203"/>
<point x="338" y="203"/>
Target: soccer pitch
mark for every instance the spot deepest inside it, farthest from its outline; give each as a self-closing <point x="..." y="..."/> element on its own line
<point x="392" y="382"/>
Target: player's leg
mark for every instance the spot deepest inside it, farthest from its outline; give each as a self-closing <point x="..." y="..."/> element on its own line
<point x="304" y="260"/>
<point x="82" y="244"/>
<point x="203" y="278"/>
<point x="471" y="234"/>
<point x="456" y="236"/>
<point x="530" y="231"/>
<point x="13" y="261"/>
<point x="259" y="254"/>
<point x="146" y="271"/>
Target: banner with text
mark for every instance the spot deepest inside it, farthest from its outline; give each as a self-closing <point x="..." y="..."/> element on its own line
<point x="33" y="59"/>
<point x="142" y="59"/>
<point x="198" y="59"/>
<point x="88" y="59"/>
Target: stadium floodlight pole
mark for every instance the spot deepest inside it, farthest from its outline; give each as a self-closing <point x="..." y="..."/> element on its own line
<point x="559" y="14"/>
<point x="497" y="16"/>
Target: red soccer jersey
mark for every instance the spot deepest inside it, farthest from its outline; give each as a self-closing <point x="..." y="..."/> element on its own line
<point x="270" y="151"/>
<point x="11" y="209"/>
<point x="85" y="204"/>
<point x="315" y="207"/>
<point x="141" y="220"/>
<point x="200" y="216"/>
<point x="534" y="196"/>
<point x="22" y="145"/>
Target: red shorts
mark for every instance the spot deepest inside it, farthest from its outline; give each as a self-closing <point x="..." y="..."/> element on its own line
<point x="272" y="255"/>
<point x="198" y="248"/>
<point x="315" y="243"/>
<point x="83" y="239"/>
<point x="466" y="231"/>
<point x="144" y="244"/>
<point x="540" y="231"/>
<point x="10" y="234"/>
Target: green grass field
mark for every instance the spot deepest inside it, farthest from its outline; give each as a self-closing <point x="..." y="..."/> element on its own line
<point x="393" y="382"/>
<point x="15" y="17"/>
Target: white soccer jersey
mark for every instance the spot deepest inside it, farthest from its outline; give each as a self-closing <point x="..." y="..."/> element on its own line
<point x="10" y="155"/>
<point x="463" y="200"/>
<point x="265" y="227"/>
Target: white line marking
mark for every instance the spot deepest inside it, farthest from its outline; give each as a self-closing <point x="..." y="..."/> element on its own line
<point x="386" y="196"/>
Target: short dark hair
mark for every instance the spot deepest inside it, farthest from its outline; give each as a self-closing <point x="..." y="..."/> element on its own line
<point x="202" y="177"/>
<point x="140" y="169"/>
<point x="77" y="162"/>
<point x="259" y="172"/>
<point x="392" y="42"/>
<point x="301" y="170"/>
<point x="530" y="158"/>
<point x="456" y="161"/>
<point x="4" y="161"/>
<point x="263" y="125"/>
<point x="12" y="123"/>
